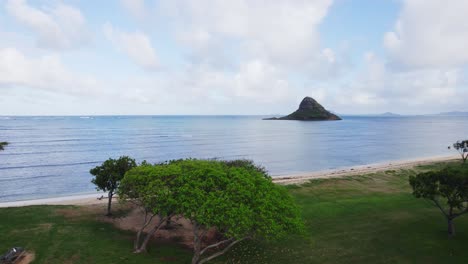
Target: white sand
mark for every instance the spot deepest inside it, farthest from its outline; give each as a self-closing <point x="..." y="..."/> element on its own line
<point x="91" y="199"/>
<point x="85" y="199"/>
<point x="356" y="170"/>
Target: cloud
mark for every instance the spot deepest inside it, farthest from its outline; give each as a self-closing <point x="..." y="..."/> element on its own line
<point x="57" y="27"/>
<point x="378" y="87"/>
<point x="136" y="45"/>
<point x="429" y="33"/>
<point x="136" y="8"/>
<point x="46" y="73"/>
<point x="282" y="32"/>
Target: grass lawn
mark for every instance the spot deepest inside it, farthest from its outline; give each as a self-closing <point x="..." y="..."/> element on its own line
<point x="361" y="219"/>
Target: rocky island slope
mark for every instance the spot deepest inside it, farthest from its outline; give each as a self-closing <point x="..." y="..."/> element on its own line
<point x="309" y="110"/>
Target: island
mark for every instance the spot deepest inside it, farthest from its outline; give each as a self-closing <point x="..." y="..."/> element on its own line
<point x="389" y="114"/>
<point x="309" y="110"/>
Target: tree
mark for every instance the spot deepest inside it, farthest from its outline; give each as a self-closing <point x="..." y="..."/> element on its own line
<point x="235" y="199"/>
<point x="462" y="148"/>
<point x="151" y="187"/>
<point x="3" y="145"/>
<point x="447" y="189"/>
<point x="109" y="174"/>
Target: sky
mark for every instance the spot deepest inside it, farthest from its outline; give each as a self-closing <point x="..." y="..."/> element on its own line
<point x="245" y="57"/>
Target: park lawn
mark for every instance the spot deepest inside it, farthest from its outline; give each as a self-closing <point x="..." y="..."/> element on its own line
<point x="360" y="219"/>
<point x="57" y="238"/>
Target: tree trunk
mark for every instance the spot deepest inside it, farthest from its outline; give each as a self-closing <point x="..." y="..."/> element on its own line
<point x="136" y="244"/>
<point x="196" y="244"/>
<point x="451" y="227"/>
<point x="148" y="237"/>
<point x="168" y="222"/>
<point x="137" y="241"/>
<point x="109" y="203"/>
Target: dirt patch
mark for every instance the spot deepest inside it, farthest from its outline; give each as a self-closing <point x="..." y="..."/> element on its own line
<point x="75" y="258"/>
<point x="179" y="230"/>
<point x="130" y="217"/>
<point x="26" y="258"/>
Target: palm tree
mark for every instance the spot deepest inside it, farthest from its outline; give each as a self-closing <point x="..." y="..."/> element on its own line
<point x="2" y="145"/>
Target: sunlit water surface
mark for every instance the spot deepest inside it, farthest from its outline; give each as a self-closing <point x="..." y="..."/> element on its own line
<point x="52" y="156"/>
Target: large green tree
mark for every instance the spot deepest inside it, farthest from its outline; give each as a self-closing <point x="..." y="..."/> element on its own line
<point x="235" y="198"/>
<point x="107" y="176"/>
<point x="3" y="145"/>
<point x="447" y="189"/>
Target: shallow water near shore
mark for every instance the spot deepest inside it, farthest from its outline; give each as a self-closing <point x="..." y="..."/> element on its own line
<point x="52" y="156"/>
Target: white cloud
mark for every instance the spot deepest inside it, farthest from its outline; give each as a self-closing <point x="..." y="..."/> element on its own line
<point x="136" y="8"/>
<point x="430" y="33"/>
<point x="378" y="87"/>
<point x="136" y="45"/>
<point x="280" y="31"/>
<point x="46" y="73"/>
<point x="57" y="27"/>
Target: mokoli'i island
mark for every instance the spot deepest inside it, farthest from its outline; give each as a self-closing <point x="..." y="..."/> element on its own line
<point x="309" y="110"/>
<point x="203" y="132"/>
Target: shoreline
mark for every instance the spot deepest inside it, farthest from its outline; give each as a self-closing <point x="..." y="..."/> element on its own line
<point x="83" y="199"/>
<point x="92" y="199"/>
<point x="360" y="169"/>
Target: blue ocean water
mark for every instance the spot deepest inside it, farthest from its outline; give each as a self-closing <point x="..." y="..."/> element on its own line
<point x="52" y="156"/>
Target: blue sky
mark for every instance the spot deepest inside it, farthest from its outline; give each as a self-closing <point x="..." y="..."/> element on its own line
<point x="231" y="57"/>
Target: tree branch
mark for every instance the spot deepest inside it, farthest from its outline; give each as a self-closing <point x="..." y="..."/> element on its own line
<point x="214" y="245"/>
<point x="460" y="213"/>
<point x="221" y="252"/>
<point x="440" y="207"/>
<point x="147" y="222"/>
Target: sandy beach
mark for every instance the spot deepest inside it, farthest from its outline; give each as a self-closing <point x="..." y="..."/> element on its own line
<point x="86" y="199"/>
<point x="92" y="199"/>
<point x="362" y="169"/>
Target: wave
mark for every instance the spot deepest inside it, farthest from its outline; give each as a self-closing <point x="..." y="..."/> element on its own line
<point x="10" y="179"/>
<point x="50" y="165"/>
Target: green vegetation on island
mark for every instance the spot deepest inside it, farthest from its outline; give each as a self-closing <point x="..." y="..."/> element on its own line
<point x="372" y="218"/>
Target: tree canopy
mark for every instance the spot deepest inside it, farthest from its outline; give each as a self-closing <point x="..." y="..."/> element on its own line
<point x="447" y="189"/>
<point x="107" y="176"/>
<point x="236" y="198"/>
<point x="462" y="148"/>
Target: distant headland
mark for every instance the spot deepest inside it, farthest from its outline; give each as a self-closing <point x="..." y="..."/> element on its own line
<point x="309" y="110"/>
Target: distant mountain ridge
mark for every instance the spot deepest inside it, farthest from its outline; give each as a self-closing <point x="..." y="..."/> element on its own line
<point x="453" y="113"/>
<point x="389" y="114"/>
<point x="309" y="110"/>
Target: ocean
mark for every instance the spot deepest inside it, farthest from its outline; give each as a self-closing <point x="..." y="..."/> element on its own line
<point x="52" y="156"/>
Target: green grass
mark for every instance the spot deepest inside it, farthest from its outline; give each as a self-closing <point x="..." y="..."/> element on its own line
<point x="361" y="219"/>
<point x="81" y="239"/>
